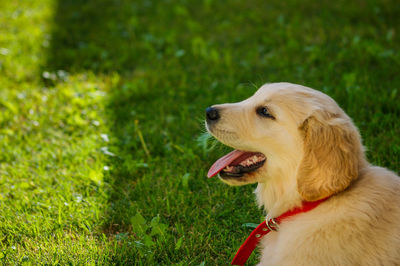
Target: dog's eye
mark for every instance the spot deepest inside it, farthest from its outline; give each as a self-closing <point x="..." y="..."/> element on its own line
<point x="264" y="112"/>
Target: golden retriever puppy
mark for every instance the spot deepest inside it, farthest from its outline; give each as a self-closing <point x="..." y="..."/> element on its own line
<point x="300" y="146"/>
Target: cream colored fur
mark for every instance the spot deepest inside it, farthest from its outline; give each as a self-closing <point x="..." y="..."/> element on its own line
<point x="313" y="151"/>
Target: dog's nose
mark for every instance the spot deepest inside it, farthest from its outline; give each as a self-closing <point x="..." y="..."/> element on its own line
<point x="212" y="114"/>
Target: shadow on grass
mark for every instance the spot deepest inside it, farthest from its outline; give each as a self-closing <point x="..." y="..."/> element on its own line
<point x="93" y="35"/>
<point x="152" y="128"/>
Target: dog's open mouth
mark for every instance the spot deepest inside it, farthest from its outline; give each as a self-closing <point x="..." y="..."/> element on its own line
<point x="237" y="163"/>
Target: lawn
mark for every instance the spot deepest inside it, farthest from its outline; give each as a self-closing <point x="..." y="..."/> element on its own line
<point x="103" y="152"/>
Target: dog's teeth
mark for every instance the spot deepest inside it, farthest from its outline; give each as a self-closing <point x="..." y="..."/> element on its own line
<point x="250" y="161"/>
<point x="231" y="169"/>
<point x="228" y="168"/>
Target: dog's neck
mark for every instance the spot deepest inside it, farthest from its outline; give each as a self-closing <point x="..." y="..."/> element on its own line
<point x="278" y="195"/>
<point x="277" y="192"/>
<point x="277" y="200"/>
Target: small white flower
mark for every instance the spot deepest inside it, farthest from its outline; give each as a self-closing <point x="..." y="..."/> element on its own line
<point x="48" y="75"/>
<point x="105" y="151"/>
<point x="78" y="198"/>
<point x="104" y="137"/>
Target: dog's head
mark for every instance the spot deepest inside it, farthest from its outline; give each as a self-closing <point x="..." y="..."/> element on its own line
<point x="289" y="132"/>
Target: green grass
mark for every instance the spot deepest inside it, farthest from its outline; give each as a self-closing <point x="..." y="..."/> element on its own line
<point x="102" y="153"/>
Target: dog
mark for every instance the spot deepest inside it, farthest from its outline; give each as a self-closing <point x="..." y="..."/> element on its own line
<point x="300" y="146"/>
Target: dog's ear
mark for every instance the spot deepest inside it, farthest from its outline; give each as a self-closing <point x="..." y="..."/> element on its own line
<point x="332" y="155"/>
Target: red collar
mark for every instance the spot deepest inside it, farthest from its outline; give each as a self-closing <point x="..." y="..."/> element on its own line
<point x="264" y="228"/>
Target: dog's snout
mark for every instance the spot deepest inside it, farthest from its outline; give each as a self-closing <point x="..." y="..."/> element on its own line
<point x="212" y="114"/>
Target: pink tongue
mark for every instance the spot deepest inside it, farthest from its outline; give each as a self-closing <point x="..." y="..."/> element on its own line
<point x="225" y="161"/>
